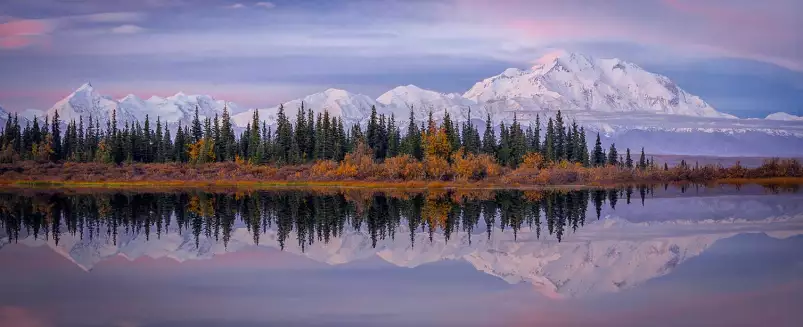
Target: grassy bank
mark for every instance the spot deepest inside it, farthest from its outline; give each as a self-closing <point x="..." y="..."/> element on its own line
<point x="374" y="175"/>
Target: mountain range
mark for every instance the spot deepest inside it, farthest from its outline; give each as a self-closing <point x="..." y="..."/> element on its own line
<point x="625" y="103"/>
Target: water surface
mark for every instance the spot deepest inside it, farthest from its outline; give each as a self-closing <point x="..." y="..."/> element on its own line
<point x="626" y="257"/>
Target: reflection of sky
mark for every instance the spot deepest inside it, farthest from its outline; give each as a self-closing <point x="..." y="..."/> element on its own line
<point x="744" y="280"/>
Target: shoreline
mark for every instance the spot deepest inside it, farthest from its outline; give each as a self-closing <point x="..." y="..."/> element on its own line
<point x="357" y="184"/>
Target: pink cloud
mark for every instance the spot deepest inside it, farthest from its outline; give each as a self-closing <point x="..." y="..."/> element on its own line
<point x="22" y="33"/>
<point x="20" y="317"/>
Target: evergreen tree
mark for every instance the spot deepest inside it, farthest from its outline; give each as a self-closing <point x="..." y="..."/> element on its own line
<point x="411" y="143"/>
<point x="598" y="157"/>
<point x="559" y="135"/>
<point x="254" y="156"/>
<point x="301" y="133"/>
<point x="549" y="142"/>
<point x="536" y="144"/>
<point x="197" y="130"/>
<point x="394" y="137"/>
<point x="488" y="138"/>
<point x="451" y="132"/>
<point x="55" y="132"/>
<point x="642" y="162"/>
<point x="613" y="156"/>
<point x="628" y="160"/>
<point x="228" y="146"/>
<point x="159" y="142"/>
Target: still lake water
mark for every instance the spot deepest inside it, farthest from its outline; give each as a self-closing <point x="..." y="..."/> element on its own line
<point x="639" y="256"/>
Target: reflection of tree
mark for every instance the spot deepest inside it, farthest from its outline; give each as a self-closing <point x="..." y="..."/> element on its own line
<point x="309" y="216"/>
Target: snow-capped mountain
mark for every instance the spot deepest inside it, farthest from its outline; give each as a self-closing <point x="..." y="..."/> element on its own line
<point x="783" y="116"/>
<point x="400" y="100"/>
<point x="574" y="81"/>
<point x="352" y="108"/>
<point x="624" y="103"/>
<point x="86" y="101"/>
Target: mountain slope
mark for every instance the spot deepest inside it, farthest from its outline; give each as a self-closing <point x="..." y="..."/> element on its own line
<point x="783" y="116"/>
<point x="574" y="81"/>
<point x="400" y="100"/>
<point x="351" y="107"/>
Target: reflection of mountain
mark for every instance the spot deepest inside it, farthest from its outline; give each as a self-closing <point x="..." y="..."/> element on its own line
<point x="603" y="256"/>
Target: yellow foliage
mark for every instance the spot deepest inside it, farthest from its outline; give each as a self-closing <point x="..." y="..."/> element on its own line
<point x="435" y="212"/>
<point x="532" y="160"/>
<point x="323" y="168"/>
<point x="436" y="144"/>
<point x="202" y="151"/>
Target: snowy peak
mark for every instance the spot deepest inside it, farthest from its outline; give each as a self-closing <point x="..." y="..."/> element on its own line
<point x="86" y="101"/>
<point x="573" y="81"/>
<point x="351" y="107"/>
<point x="400" y="100"/>
<point x="783" y="116"/>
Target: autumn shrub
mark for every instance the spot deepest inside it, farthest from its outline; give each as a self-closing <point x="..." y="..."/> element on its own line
<point x="468" y="166"/>
<point x="533" y="160"/>
<point x="436" y="168"/>
<point x="324" y="168"/>
<point x="403" y="167"/>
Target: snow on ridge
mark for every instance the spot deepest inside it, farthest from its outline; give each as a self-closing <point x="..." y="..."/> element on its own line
<point x="86" y="101"/>
<point x="783" y="116"/>
<point x="572" y="81"/>
<point x="353" y="108"/>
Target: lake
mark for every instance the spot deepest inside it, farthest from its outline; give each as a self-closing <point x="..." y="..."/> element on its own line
<point x="635" y="256"/>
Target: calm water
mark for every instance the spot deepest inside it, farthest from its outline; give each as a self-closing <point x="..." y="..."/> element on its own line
<point x="638" y="256"/>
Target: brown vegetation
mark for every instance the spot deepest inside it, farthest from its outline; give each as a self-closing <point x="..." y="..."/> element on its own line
<point x="359" y="169"/>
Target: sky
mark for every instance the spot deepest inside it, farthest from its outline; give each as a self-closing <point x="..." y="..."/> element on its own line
<point x="259" y="53"/>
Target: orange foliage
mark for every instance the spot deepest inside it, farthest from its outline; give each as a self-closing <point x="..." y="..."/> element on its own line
<point x="436" y="167"/>
<point x="468" y="166"/>
<point x="533" y="160"/>
<point x="402" y="167"/>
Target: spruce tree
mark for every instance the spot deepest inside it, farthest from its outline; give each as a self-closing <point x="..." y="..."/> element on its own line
<point x="628" y="160"/>
<point x="159" y="142"/>
<point x="613" y="156"/>
<point x="598" y="157"/>
<point x="394" y="142"/>
<point x="488" y="138"/>
<point x="549" y="141"/>
<point x="228" y="146"/>
<point x="642" y="162"/>
<point x="559" y="135"/>
<point x="301" y="133"/>
<point x="411" y="142"/>
<point x="254" y="156"/>
<point x="55" y="132"/>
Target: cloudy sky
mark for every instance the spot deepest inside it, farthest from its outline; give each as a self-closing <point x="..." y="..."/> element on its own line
<point x="743" y="56"/>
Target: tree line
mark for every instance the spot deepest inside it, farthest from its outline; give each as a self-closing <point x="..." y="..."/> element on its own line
<point x="308" y="139"/>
